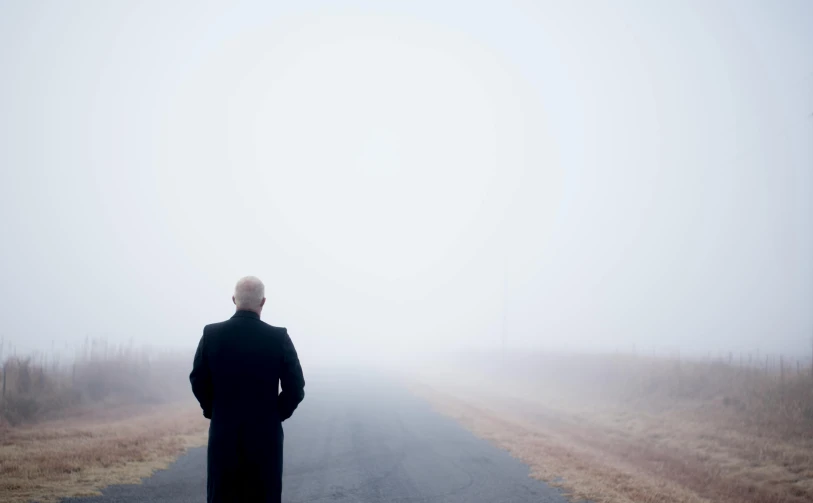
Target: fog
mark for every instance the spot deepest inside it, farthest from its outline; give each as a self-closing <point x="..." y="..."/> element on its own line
<point x="409" y="178"/>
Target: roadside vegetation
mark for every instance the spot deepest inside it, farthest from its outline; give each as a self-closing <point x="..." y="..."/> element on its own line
<point x="109" y="415"/>
<point x="38" y="387"/>
<point x="626" y="428"/>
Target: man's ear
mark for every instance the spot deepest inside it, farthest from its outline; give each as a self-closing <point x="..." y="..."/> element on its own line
<point x="263" y="302"/>
<point x="232" y="299"/>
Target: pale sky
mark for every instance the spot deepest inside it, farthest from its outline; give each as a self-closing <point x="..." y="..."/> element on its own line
<point x="410" y="176"/>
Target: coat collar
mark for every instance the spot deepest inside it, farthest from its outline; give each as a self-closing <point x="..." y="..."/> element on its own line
<point x="246" y="314"/>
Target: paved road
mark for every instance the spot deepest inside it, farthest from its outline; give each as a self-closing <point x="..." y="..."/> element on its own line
<point x="365" y="440"/>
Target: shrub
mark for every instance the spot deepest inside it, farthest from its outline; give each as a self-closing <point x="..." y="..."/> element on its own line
<point x="36" y="391"/>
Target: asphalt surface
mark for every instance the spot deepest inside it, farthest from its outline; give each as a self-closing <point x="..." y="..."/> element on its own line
<point x="364" y="439"/>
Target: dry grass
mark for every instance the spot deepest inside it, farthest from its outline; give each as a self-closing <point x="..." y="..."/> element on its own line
<point x="35" y="388"/>
<point x="644" y="431"/>
<point x="79" y="455"/>
<point x="109" y="415"/>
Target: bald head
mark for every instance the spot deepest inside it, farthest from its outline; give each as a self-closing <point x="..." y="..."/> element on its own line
<point x="249" y="294"/>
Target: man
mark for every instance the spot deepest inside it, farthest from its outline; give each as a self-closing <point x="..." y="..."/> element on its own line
<point x="238" y="368"/>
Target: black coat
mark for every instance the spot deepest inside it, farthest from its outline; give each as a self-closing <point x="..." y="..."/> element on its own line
<point x="238" y="368"/>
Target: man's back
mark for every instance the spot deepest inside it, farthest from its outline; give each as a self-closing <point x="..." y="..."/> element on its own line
<point x="238" y="368"/>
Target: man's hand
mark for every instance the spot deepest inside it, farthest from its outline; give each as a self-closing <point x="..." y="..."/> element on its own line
<point x="291" y="379"/>
<point x="201" y="378"/>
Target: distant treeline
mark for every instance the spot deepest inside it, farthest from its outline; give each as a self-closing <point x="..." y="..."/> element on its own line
<point x="33" y="388"/>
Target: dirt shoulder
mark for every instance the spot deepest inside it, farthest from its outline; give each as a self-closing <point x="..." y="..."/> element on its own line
<point x="609" y="453"/>
<point x="94" y="449"/>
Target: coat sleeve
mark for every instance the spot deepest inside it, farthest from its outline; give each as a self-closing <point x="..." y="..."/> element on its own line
<point x="201" y="378"/>
<point x="291" y="380"/>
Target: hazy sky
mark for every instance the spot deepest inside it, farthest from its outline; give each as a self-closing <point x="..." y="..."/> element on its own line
<point x="408" y="176"/>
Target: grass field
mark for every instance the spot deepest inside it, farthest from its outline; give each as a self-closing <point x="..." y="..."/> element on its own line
<point x="109" y="416"/>
<point x="79" y="455"/>
<point x="630" y="429"/>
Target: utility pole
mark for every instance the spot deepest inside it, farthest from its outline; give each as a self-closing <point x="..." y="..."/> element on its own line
<point x="503" y="335"/>
<point x="503" y="339"/>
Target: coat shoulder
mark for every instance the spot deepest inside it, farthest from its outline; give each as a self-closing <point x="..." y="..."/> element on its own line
<point x="213" y="327"/>
<point x="276" y="330"/>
